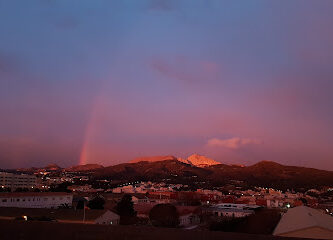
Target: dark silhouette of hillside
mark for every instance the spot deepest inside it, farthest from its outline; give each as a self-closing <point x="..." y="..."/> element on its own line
<point x="264" y="173"/>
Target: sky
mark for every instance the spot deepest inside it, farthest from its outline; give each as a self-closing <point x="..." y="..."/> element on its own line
<point x="104" y="81"/>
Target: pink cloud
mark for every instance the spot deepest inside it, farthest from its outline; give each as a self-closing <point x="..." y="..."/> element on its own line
<point x="232" y="143"/>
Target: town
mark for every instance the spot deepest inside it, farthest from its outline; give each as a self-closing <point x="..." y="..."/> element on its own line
<point x="166" y="119"/>
<point x="57" y="195"/>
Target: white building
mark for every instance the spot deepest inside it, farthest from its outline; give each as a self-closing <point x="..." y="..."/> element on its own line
<point x="305" y="222"/>
<point x="188" y="219"/>
<point x="35" y="199"/>
<point x="14" y="181"/>
<point x="231" y="212"/>
<point x="137" y="199"/>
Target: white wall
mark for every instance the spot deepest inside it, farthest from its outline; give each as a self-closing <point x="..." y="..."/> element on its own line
<point x="37" y="201"/>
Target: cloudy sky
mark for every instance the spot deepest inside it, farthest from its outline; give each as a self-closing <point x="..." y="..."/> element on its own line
<point x="99" y="81"/>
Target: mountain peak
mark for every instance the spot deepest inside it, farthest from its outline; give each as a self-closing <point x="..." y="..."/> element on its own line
<point x="194" y="160"/>
<point x="201" y="161"/>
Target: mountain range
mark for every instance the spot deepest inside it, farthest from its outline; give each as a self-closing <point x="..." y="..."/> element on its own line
<point x="264" y="173"/>
<point x="201" y="170"/>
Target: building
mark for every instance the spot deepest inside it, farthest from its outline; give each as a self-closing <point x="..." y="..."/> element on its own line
<point x="305" y="222"/>
<point x="139" y="198"/>
<point x="105" y="217"/>
<point x="14" y="181"/>
<point x="231" y="210"/>
<point x="36" y="199"/>
<point x="188" y="215"/>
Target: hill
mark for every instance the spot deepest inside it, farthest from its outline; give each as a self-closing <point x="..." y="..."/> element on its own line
<point x="83" y="168"/>
<point x="153" y="159"/>
<point x="152" y="171"/>
<point x="265" y="174"/>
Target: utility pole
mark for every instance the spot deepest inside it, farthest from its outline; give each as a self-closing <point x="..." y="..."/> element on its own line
<point x="84" y="211"/>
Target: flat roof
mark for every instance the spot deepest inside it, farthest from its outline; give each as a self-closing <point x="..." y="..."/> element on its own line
<point x="230" y="209"/>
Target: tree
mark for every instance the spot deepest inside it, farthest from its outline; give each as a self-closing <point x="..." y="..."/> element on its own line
<point x="125" y="209"/>
<point x="80" y="204"/>
<point x="96" y="203"/>
<point x="164" y="215"/>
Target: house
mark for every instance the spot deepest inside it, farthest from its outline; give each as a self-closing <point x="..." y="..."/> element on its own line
<point x="188" y="215"/>
<point x="36" y="199"/>
<point x="106" y="218"/>
<point x="159" y="197"/>
<point x="139" y="198"/>
<point x="305" y="222"/>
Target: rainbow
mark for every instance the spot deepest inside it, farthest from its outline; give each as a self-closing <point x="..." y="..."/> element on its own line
<point x="90" y="132"/>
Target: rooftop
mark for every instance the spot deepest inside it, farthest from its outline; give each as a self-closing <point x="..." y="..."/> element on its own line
<point x="303" y="217"/>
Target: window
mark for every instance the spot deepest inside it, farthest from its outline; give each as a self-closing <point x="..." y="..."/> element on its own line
<point x="17" y="200"/>
<point x="4" y="200"/>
